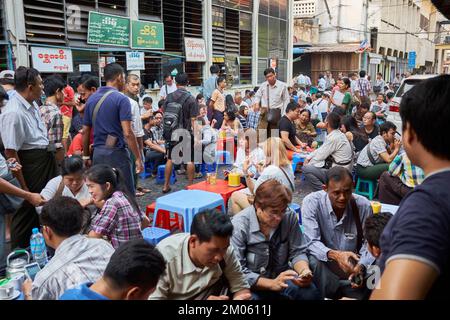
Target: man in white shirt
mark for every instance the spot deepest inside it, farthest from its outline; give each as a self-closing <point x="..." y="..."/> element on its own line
<point x="336" y="150"/>
<point x="168" y="88"/>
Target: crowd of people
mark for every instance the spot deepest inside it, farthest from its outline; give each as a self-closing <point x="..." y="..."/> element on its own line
<point x="70" y="165"/>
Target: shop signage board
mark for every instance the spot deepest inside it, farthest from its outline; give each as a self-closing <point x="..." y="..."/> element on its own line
<point x="52" y="60"/>
<point x="135" y="60"/>
<point x="195" y="49"/>
<point x="85" y="67"/>
<point x="412" y="59"/>
<point x="108" y="29"/>
<point x="147" y="35"/>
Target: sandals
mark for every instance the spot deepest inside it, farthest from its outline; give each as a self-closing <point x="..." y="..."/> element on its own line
<point x="143" y="190"/>
<point x="139" y="194"/>
<point x="167" y="191"/>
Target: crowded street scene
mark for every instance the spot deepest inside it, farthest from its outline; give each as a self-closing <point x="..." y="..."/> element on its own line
<point x="224" y="150"/>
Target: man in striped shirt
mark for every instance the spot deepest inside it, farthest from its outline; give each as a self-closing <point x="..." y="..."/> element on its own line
<point x="400" y="179"/>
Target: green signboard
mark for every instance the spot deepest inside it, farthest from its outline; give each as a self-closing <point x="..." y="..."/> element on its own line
<point x="147" y="35"/>
<point x="108" y="29"/>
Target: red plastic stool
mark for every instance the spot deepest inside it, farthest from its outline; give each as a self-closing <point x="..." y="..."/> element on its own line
<point x="166" y="220"/>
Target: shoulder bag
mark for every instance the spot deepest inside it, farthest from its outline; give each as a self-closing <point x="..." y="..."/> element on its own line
<point x="10" y="203"/>
<point x="273" y="115"/>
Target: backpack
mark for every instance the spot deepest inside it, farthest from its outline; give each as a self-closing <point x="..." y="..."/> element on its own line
<point x="173" y="115"/>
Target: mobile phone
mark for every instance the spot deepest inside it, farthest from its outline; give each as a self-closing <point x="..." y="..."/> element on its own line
<point x="11" y="164"/>
<point x="31" y="270"/>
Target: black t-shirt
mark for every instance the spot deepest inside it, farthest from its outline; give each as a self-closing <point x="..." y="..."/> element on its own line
<point x="420" y="230"/>
<point x="288" y="126"/>
<point x="374" y="133"/>
<point x="190" y="106"/>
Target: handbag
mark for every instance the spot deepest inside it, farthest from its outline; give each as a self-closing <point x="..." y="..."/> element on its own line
<point x="10" y="203"/>
<point x="273" y="115"/>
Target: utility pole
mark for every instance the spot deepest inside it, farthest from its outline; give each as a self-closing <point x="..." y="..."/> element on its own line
<point x="338" y="38"/>
<point x="365" y="65"/>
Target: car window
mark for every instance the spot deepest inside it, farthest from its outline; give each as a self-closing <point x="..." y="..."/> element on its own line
<point x="406" y="86"/>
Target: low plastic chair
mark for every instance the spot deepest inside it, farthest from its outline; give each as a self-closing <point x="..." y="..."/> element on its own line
<point x="154" y="235"/>
<point x="148" y="169"/>
<point x="207" y="167"/>
<point x="160" y="175"/>
<point x="223" y="157"/>
<point x="296" y="159"/>
<point x="366" y="188"/>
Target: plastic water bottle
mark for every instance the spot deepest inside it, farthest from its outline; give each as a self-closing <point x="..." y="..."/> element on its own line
<point x="38" y="248"/>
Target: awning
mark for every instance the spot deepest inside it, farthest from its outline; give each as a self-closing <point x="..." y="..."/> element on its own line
<point x="346" y="48"/>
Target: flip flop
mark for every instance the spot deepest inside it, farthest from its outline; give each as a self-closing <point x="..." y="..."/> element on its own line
<point x="139" y="194"/>
<point x="167" y="191"/>
<point x="144" y="190"/>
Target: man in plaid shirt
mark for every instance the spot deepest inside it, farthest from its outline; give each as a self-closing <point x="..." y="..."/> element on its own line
<point x="363" y="86"/>
<point x="50" y="114"/>
<point x="400" y="179"/>
<point x="253" y="118"/>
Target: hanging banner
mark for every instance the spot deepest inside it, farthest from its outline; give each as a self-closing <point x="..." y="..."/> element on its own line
<point x="195" y="49"/>
<point x="147" y="35"/>
<point x="135" y="60"/>
<point x="52" y="60"/>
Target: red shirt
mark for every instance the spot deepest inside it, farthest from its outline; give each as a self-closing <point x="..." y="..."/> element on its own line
<point x="69" y="95"/>
<point x="76" y="145"/>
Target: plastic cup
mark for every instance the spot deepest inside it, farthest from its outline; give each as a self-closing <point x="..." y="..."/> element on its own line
<point x="213" y="179"/>
<point x="376" y="207"/>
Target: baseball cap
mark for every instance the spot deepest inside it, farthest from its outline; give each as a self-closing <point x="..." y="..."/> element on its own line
<point x="7" y="74"/>
<point x="327" y="93"/>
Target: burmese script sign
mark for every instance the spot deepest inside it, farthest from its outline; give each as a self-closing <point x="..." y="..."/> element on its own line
<point x="108" y="29"/>
<point x="147" y="35"/>
<point x="195" y="49"/>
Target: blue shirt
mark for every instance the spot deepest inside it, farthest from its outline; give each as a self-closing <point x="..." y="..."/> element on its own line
<point x="324" y="233"/>
<point x="115" y="109"/>
<point x="82" y="292"/>
<point x="209" y="86"/>
<point x="420" y="231"/>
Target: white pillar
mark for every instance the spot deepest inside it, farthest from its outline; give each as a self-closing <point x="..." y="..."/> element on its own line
<point x="290" y="44"/>
<point x="255" y="43"/>
<point x="133" y="14"/>
<point x="207" y="35"/>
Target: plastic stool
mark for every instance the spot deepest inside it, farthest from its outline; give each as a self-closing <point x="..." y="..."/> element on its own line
<point x="160" y="175"/>
<point x="154" y="235"/>
<point x="165" y="219"/>
<point x="207" y="167"/>
<point x="296" y="159"/>
<point x="296" y="208"/>
<point x="366" y="188"/>
<point x="148" y="169"/>
<point x="223" y="157"/>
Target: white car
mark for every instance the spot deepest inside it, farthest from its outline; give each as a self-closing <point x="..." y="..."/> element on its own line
<point x="393" y="113"/>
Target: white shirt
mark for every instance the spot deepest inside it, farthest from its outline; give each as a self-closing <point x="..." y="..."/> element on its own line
<point x="52" y="186"/>
<point x="337" y="145"/>
<point x="166" y="90"/>
<point x="136" y="123"/>
<point x="278" y="96"/>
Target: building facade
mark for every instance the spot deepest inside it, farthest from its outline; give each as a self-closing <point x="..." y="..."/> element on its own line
<point x="242" y="36"/>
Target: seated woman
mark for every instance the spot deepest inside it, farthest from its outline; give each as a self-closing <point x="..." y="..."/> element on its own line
<point x="231" y="123"/>
<point x="374" y="159"/>
<point x="288" y="274"/>
<point x="379" y="108"/>
<point x="119" y="217"/>
<point x="354" y="133"/>
<point x="277" y="166"/>
<point x="70" y="183"/>
<point x="305" y="129"/>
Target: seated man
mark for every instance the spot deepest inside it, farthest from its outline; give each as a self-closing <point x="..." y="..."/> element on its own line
<point x="202" y="265"/>
<point x="131" y="274"/>
<point x="288" y="130"/>
<point x="401" y="178"/>
<point x="153" y="141"/>
<point x="276" y="268"/>
<point x="332" y="220"/>
<point x="336" y="151"/>
<point x="370" y="125"/>
<point x="77" y="259"/>
<point x="147" y="110"/>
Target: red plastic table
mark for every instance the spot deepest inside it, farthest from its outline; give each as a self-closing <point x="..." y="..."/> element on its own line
<point x="221" y="187"/>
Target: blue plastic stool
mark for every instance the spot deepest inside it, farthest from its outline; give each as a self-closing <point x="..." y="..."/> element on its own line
<point x="296" y="159"/>
<point x="296" y="208"/>
<point x="223" y="157"/>
<point x="207" y="167"/>
<point x="148" y="169"/>
<point x="160" y="175"/>
<point x="188" y="203"/>
<point x="154" y="235"/>
<point x="366" y="188"/>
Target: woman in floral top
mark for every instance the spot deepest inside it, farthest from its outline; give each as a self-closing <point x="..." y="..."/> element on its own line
<point x="119" y="217"/>
<point x="304" y="128"/>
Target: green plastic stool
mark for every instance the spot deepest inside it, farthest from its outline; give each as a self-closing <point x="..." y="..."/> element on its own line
<point x="366" y="188"/>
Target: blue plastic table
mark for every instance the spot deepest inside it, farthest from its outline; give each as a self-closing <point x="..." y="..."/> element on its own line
<point x="188" y="203"/>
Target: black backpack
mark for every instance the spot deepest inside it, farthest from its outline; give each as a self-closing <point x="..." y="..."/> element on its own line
<point x="173" y="115"/>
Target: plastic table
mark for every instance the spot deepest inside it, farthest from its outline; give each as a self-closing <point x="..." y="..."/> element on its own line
<point x="221" y="187"/>
<point x="188" y="203"/>
<point x="389" y="208"/>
